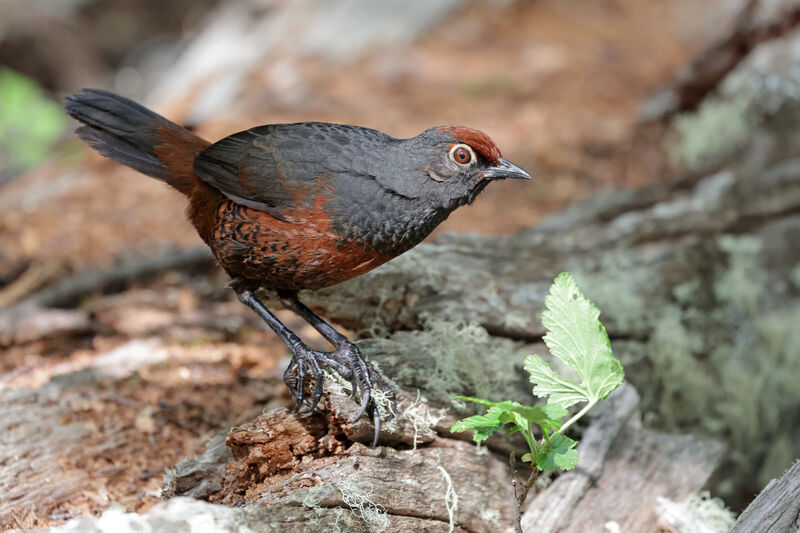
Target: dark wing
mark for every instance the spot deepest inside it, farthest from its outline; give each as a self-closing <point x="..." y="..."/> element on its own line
<point x="245" y="168"/>
<point x="262" y="167"/>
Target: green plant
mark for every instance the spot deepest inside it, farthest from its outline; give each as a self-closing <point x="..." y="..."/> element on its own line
<point x="29" y="123"/>
<point x="577" y="339"/>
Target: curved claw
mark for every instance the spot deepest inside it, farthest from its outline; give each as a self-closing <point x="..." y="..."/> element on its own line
<point x="292" y="382"/>
<point x="376" y="419"/>
<point x="301" y="385"/>
<point x="316" y="395"/>
<point x="353" y="386"/>
<point x="366" y="396"/>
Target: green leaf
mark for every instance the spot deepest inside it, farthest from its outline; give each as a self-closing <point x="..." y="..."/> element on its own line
<point x="547" y="417"/>
<point x="559" y="453"/>
<point x="481" y="434"/>
<point x="487" y="403"/>
<point x="484" y="425"/>
<point x="576" y="337"/>
<point x="554" y="413"/>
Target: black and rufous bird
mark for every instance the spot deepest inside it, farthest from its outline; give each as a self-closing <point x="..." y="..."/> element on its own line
<point x="289" y="207"/>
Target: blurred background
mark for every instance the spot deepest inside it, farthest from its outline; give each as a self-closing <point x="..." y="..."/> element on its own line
<point x="558" y="87"/>
<point x="587" y="95"/>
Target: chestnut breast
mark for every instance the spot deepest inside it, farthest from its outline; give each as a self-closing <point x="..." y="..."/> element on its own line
<point x="304" y="253"/>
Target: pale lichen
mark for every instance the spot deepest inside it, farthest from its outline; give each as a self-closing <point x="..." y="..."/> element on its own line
<point x="449" y="358"/>
<point x="712" y="512"/>
<point x="356" y="495"/>
<point x="713" y="132"/>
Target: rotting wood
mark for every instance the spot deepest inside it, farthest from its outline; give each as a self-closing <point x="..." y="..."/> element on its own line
<point x="303" y="466"/>
<point x="54" y="454"/>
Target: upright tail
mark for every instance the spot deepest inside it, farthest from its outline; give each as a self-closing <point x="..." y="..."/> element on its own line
<point x="131" y="134"/>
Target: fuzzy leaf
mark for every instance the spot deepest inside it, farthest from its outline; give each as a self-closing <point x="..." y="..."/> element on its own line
<point x="558" y="453"/>
<point x="576" y="337"/>
<point x="484" y="425"/>
<point x="499" y="414"/>
<point x="555" y="413"/>
<point x="506" y="405"/>
<point x="545" y="416"/>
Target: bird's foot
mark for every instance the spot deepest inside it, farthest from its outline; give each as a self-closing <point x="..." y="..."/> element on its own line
<point x="376" y="395"/>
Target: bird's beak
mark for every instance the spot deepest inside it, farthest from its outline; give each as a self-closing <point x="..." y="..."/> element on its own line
<point x="505" y="169"/>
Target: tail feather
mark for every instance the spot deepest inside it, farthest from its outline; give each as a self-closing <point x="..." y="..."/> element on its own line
<point x="111" y="146"/>
<point x="131" y="134"/>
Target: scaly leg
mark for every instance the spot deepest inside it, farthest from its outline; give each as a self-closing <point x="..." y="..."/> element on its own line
<point x="346" y="359"/>
<point x="364" y="376"/>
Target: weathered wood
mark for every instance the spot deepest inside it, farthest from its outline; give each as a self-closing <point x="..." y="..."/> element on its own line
<point x="623" y="468"/>
<point x="36" y="433"/>
<point x="641" y="466"/>
<point x="27" y="479"/>
<point x="563" y="495"/>
<point x="188" y="514"/>
<point x="201" y="476"/>
<point x="776" y="509"/>
<point x="305" y="471"/>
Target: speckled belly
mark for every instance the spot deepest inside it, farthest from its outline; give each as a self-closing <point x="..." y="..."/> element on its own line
<point x="302" y="252"/>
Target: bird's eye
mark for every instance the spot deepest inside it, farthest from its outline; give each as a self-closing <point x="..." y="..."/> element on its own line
<point x="462" y="154"/>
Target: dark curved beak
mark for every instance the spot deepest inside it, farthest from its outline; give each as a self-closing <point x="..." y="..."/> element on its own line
<point x="505" y="169"/>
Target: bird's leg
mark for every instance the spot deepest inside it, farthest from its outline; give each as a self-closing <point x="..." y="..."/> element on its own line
<point x="346" y="359"/>
<point x="303" y="358"/>
<point x="361" y="374"/>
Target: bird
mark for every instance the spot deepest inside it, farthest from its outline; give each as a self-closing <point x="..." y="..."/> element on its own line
<point x="291" y="207"/>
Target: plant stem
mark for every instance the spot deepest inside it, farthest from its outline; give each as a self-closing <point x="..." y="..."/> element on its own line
<point x="577" y="416"/>
<point x="521" y="495"/>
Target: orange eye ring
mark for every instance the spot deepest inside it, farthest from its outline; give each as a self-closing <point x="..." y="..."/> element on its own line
<point x="462" y="155"/>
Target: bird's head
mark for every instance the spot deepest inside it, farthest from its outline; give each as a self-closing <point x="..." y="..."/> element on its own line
<point x="455" y="163"/>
